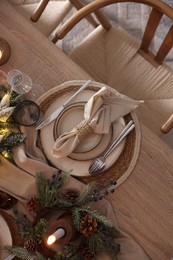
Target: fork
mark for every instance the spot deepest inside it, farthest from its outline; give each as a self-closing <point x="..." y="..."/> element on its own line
<point x="98" y="164"/>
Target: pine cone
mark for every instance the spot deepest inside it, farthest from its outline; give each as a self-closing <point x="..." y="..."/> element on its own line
<point x="71" y="196"/>
<point x="31" y="245"/>
<point x="88" y="225"/>
<point x="87" y="254"/>
<point x="34" y="205"/>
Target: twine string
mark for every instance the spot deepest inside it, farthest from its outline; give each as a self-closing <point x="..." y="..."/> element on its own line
<point x="83" y="129"/>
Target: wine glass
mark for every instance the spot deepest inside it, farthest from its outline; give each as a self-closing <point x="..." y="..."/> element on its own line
<point x="22" y="84"/>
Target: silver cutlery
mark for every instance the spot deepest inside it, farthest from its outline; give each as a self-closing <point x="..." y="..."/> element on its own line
<point x="98" y="164"/>
<point x="54" y="115"/>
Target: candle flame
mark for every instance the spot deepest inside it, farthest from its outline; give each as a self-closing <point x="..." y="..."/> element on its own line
<point x="51" y="239"/>
<point x="1" y="54"/>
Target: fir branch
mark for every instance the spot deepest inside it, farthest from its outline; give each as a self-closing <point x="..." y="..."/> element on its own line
<point x="48" y="189"/>
<point x="109" y="234"/>
<point x="46" y="194"/>
<point x="61" y="202"/>
<point x="109" y="231"/>
<point x="40" y="229"/>
<point x="25" y="226"/>
<point x="99" y="217"/>
<point x="3" y="91"/>
<point x="85" y="195"/>
<point x="68" y="252"/>
<point x="19" y="252"/>
<point x="10" y="140"/>
<point x="95" y="243"/>
<point x="77" y="216"/>
<point x="15" y="98"/>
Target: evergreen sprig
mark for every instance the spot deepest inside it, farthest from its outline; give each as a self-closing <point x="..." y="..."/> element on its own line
<point x="10" y="140"/>
<point x="40" y="229"/>
<point x="95" y="243"/>
<point x="85" y="195"/>
<point x="15" y="98"/>
<point x="79" y="212"/>
<point x="3" y="91"/>
<point x="26" y="228"/>
<point x="22" y="253"/>
<point x="70" y="252"/>
<point x="48" y="190"/>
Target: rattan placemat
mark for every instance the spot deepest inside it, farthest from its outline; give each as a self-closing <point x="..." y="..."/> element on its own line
<point x="125" y="164"/>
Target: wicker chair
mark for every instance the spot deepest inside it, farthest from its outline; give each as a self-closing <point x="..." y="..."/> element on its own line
<point x="48" y="14"/>
<point x="113" y="56"/>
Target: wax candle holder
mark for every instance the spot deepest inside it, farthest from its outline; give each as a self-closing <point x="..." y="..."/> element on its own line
<point x="6" y="201"/>
<point x="27" y="113"/>
<point x="64" y="222"/>
<point x="5" y="51"/>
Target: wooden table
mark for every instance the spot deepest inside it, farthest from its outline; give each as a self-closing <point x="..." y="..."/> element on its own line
<point x="144" y="202"/>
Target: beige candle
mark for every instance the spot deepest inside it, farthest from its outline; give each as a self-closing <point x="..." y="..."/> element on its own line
<point x="58" y="234"/>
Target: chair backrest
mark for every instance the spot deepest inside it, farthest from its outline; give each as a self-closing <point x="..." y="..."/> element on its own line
<point x="39" y="10"/>
<point x="159" y="9"/>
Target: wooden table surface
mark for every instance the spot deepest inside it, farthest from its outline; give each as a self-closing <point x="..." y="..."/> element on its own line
<point x="144" y="202"/>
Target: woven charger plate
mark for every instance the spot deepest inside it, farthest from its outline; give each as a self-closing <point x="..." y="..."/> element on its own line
<point x="125" y="164"/>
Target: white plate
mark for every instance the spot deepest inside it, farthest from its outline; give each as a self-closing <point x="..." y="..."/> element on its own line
<point x="78" y="167"/>
<point x="92" y="145"/>
<point x="5" y="237"/>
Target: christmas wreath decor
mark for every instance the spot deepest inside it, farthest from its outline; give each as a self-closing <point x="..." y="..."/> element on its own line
<point x="95" y="232"/>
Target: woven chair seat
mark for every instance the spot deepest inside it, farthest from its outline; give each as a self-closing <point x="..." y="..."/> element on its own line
<point x="51" y="17"/>
<point x="112" y="57"/>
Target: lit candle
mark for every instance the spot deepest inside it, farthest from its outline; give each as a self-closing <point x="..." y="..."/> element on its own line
<point x="58" y="234"/>
<point x="1" y="54"/>
<point x="5" y="51"/>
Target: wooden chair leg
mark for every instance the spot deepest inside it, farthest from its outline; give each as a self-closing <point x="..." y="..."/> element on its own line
<point x="38" y="12"/>
<point x="168" y="125"/>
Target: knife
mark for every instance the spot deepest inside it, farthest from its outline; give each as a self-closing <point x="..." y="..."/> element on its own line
<point x="54" y="115"/>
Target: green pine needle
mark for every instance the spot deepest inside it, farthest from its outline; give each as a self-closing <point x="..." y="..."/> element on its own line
<point x="19" y="252"/>
<point x="62" y="203"/>
<point x="70" y="252"/>
<point x="40" y="229"/>
<point x="85" y="195"/>
<point x="79" y="212"/>
<point x="10" y="140"/>
<point x="48" y="192"/>
<point x="95" y="243"/>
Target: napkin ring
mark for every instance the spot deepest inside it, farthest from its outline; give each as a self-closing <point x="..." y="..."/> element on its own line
<point x="83" y="129"/>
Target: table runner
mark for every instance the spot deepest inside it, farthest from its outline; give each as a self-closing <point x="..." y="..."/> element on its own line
<point x="17" y="178"/>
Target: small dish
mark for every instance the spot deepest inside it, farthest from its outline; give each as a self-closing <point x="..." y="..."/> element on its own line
<point x="92" y="145"/>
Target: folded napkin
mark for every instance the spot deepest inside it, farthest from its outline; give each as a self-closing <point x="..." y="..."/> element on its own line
<point x="100" y="111"/>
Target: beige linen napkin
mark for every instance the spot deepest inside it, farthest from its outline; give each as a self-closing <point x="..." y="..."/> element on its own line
<point x="100" y="111"/>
